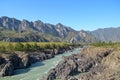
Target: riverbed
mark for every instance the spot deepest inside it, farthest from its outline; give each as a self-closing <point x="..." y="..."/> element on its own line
<point x="37" y="70"/>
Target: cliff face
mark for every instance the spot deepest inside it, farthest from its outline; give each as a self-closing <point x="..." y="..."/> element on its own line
<point x="19" y="60"/>
<point x="90" y="64"/>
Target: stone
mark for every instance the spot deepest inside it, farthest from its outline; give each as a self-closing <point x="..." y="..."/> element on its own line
<point x="7" y="70"/>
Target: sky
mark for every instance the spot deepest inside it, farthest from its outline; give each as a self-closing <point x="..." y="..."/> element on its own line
<point x="77" y="14"/>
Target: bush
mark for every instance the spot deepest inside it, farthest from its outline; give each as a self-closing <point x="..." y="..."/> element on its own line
<point x="2" y="49"/>
<point x="19" y="46"/>
<point x="27" y="47"/>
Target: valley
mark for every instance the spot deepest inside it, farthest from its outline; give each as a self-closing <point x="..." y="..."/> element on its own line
<point x="45" y="51"/>
<point x="59" y="39"/>
<point x="37" y="70"/>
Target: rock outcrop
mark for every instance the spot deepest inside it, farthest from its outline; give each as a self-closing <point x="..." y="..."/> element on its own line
<point x="19" y="60"/>
<point x="77" y="64"/>
<point x="6" y="69"/>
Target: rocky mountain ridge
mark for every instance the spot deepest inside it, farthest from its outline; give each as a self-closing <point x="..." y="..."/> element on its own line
<point x="15" y="30"/>
<point x="12" y="29"/>
<point x="107" y="34"/>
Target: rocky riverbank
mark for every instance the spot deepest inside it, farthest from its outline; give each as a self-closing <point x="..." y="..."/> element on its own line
<point x="20" y="60"/>
<point x="92" y="63"/>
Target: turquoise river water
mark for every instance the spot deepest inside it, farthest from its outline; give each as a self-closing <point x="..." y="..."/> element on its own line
<point x="37" y="70"/>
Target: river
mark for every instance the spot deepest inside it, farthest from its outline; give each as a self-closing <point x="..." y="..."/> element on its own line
<point x="37" y="70"/>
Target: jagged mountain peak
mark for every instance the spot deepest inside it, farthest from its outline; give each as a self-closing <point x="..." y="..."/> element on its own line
<point x="4" y="17"/>
<point x="7" y="18"/>
<point x="59" y="25"/>
<point x="39" y="21"/>
<point x="24" y="20"/>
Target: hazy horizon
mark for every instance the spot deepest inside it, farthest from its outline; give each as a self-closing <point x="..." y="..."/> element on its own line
<point x="78" y="14"/>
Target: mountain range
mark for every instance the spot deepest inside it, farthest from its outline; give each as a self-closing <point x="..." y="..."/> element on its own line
<point x="15" y="30"/>
<point x="107" y="34"/>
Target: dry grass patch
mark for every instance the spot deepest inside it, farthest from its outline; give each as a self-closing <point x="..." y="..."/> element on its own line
<point x="113" y="60"/>
<point x="96" y="51"/>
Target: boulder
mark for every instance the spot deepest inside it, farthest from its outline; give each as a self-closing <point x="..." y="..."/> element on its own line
<point x="55" y="51"/>
<point x="15" y="60"/>
<point x="7" y="69"/>
<point x="25" y="61"/>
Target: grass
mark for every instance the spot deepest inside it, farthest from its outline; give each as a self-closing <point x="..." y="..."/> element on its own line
<point x="107" y="44"/>
<point x="31" y="46"/>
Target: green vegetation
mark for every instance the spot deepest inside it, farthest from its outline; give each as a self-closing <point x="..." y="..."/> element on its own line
<point x="32" y="46"/>
<point x="107" y="44"/>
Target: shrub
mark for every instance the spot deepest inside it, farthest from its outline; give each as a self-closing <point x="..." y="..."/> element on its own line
<point x="19" y="46"/>
<point x="2" y="49"/>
